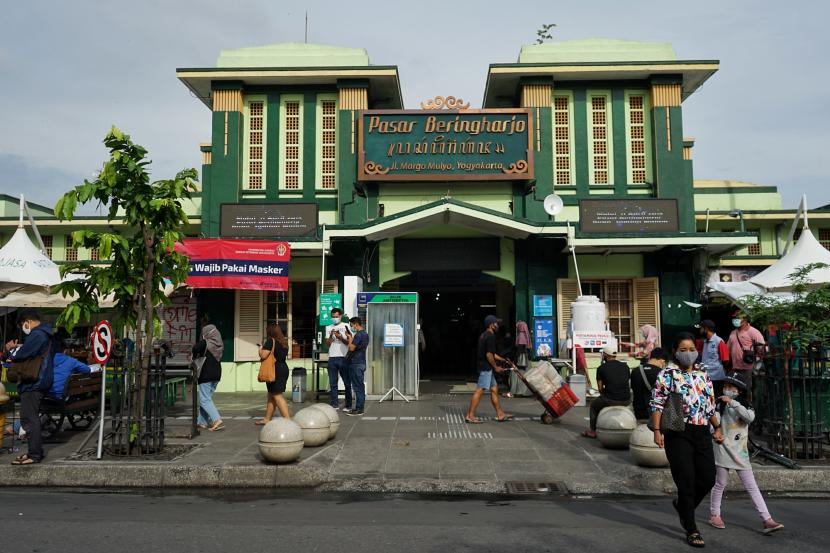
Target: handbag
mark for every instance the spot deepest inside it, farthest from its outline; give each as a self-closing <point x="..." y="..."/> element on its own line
<point x="268" y="366"/>
<point x="673" y="418"/>
<point x="25" y="372"/>
<point x="197" y="364"/>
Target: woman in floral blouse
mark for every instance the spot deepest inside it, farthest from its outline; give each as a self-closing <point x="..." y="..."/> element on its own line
<point x="690" y="452"/>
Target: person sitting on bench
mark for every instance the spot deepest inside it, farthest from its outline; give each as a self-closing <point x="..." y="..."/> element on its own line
<point x="65" y="366"/>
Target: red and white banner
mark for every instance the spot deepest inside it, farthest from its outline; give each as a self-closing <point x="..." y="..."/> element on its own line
<point x="237" y="264"/>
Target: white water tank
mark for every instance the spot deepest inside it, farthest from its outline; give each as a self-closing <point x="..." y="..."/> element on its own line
<point x="588" y="314"/>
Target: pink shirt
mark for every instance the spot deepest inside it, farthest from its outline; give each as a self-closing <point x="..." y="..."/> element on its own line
<point x="741" y="340"/>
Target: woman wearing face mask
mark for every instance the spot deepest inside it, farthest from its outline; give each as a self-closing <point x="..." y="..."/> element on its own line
<point x="736" y="415"/>
<point x="690" y="452"/>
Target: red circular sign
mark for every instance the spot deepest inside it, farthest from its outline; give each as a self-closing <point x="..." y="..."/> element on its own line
<point x="102" y="340"/>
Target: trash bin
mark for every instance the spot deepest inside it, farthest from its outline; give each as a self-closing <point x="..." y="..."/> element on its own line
<point x="578" y="384"/>
<point x="298" y="377"/>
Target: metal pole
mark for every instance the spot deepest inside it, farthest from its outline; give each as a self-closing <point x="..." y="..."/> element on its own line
<point x="101" y="414"/>
<point x="573" y="253"/>
<point x="23" y="206"/>
<point x="323" y="262"/>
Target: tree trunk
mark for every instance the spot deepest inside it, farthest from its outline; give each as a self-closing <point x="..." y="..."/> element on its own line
<point x="149" y="321"/>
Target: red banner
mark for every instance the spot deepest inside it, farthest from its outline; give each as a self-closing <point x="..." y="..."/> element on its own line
<point x="237" y="264"/>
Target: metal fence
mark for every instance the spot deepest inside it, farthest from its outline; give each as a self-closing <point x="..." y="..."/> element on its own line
<point x="136" y="431"/>
<point x="809" y="383"/>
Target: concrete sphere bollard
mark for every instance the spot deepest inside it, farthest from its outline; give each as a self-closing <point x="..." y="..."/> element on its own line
<point x="645" y="452"/>
<point x="331" y="413"/>
<point x="4" y="397"/>
<point x="315" y="425"/>
<point x="281" y="441"/>
<point x="614" y="426"/>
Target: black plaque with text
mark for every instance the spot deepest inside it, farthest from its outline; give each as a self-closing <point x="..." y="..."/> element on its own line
<point x="268" y="220"/>
<point x="646" y="215"/>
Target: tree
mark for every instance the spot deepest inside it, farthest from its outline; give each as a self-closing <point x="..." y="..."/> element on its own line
<point x="141" y="256"/>
<point x="800" y="322"/>
<point x="543" y="33"/>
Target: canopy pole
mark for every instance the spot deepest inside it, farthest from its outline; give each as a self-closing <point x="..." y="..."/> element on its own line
<point x="804" y="210"/>
<point x="571" y="237"/>
<point x="24" y="205"/>
<point x="799" y="214"/>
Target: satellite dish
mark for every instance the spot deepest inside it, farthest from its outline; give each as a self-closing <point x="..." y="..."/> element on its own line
<point x="553" y="204"/>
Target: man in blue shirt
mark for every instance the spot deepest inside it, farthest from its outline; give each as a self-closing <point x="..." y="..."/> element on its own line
<point x="65" y="367"/>
<point x="38" y="344"/>
<point x="358" y="342"/>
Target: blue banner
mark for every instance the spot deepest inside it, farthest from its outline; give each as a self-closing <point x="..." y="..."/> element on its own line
<point x="543" y="306"/>
<point x="543" y="337"/>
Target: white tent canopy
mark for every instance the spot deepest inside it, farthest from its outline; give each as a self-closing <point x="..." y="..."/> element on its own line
<point x="22" y="264"/>
<point x="775" y="279"/>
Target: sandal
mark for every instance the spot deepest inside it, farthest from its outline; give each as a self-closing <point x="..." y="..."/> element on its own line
<point x="217" y="427"/>
<point x="24" y="460"/>
<point x="468" y="420"/>
<point x="695" y="540"/>
<point x="261" y="422"/>
<point x="505" y="418"/>
<point x="589" y="434"/>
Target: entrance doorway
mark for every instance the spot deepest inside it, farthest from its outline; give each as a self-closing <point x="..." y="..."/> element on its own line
<point x="452" y="307"/>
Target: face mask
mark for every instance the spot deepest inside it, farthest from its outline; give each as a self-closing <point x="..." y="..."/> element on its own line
<point x="732" y="394"/>
<point x="686" y="358"/>
<point x="736" y="323"/>
<point x="26" y="329"/>
<point x="353" y="329"/>
<point x="335" y="320"/>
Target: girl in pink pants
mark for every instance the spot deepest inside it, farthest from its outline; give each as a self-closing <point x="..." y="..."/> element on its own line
<point x="733" y="454"/>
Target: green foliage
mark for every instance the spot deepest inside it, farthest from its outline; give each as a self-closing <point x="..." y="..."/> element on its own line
<point x="800" y="320"/>
<point x="151" y="214"/>
<point x="543" y="33"/>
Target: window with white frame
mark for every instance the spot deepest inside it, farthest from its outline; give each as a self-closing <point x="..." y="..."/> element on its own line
<point x="291" y="142"/>
<point x="637" y="147"/>
<point x="563" y="151"/>
<point x="327" y="142"/>
<point x="253" y="168"/>
<point x="601" y="159"/>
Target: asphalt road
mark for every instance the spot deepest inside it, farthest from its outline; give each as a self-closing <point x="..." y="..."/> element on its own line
<point x="44" y="521"/>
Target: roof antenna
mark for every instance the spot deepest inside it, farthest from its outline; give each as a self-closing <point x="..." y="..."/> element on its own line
<point x="306" y="26"/>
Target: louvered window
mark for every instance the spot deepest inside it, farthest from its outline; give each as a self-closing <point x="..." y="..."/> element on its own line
<point x="291" y="143"/>
<point x="824" y="237"/>
<point x="253" y="174"/>
<point x="563" y="151"/>
<point x="327" y="142"/>
<point x="637" y="139"/>
<point x="47" y="243"/>
<point x="629" y="303"/>
<point x="249" y="329"/>
<point x="599" y="139"/>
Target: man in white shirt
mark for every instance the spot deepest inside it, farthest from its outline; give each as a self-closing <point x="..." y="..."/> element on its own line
<point x="337" y="340"/>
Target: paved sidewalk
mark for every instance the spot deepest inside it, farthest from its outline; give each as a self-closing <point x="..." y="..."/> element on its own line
<point x="422" y="446"/>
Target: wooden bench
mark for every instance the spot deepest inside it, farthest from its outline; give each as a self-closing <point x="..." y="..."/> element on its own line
<point x="80" y="404"/>
<point x="175" y="388"/>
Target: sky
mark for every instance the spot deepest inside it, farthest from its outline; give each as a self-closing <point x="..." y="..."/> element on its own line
<point x="70" y="70"/>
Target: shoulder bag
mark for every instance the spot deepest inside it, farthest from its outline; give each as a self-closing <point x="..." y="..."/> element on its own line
<point x="25" y="372"/>
<point x="645" y="380"/>
<point x="196" y="365"/>
<point x="268" y="366"/>
<point x="673" y="418"/>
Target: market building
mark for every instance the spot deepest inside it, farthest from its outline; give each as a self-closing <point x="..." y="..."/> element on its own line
<point x="311" y="145"/>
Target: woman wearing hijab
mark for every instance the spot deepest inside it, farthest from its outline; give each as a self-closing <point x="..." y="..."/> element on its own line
<point x="210" y="347"/>
<point x="649" y="339"/>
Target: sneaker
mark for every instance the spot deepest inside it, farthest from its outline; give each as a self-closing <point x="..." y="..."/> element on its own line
<point x="716" y="522"/>
<point x="771" y="526"/>
<point x="346" y="410"/>
<point x="355" y="412"/>
<point x="592" y="392"/>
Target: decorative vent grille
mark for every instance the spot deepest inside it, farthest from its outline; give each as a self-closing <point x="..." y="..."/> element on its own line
<point x="600" y="166"/>
<point x="328" y="145"/>
<point x="637" y="139"/>
<point x="291" y="148"/>
<point x="562" y="147"/>
<point x="256" y="159"/>
<point x="824" y="237"/>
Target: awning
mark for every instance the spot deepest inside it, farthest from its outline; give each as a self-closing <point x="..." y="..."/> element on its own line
<point x="237" y="264"/>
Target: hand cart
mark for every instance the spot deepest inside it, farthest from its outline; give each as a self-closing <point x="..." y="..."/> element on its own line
<point x="555" y="406"/>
